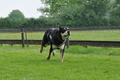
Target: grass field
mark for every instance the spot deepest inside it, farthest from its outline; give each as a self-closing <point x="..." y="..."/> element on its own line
<point x="108" y="35"/>
<point x="80" y="63"/>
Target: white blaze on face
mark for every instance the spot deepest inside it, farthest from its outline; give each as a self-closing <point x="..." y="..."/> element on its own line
<point x="64" y="35"/>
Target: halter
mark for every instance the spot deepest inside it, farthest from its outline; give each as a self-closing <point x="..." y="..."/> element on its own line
<point x="63" y="41"/>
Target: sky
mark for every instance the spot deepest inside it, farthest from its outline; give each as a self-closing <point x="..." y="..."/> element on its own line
<point x="27" y="7"/>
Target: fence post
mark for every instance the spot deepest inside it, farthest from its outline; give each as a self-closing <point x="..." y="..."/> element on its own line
<point x="67" y="42"/>
<point x="26" y="38"/>
<point x="22" y="36"/>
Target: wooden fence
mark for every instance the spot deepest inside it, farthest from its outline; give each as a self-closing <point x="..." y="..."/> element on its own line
<point x="24" y="42"/>
<point x="72" y="42"/>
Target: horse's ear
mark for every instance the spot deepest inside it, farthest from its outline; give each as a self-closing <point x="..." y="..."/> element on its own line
<point x="59" y="27"/>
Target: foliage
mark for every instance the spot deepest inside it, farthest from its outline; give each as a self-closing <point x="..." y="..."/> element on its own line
<point x="81" y="13"/>
<point x="7" y="23"/>
<point x="16" y="14"/>
<point x="115" y="9"/>
<point x="52" y="6"/>
<point x="115" y="13"/>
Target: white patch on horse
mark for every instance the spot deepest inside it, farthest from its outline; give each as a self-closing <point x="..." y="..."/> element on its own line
<point x="60" y="47"/>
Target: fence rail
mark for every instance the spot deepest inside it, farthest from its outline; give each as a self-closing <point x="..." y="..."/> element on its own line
<point x="24" y="41"/>
<point x="72" y="42"/>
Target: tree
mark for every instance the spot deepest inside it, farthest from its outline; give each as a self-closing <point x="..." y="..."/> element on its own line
<point x="115" y="13"/>
<point x="84" y="13"/>
<point x="54" y="6"/>
<point x="77" y="12"/>
<point x="16" y="14"/>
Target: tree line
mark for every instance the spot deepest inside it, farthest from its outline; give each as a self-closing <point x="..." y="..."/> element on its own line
<point x="72" y="13"/>
<point x="7" y="23"/>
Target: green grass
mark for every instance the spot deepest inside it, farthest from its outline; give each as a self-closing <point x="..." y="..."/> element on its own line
<point x="80" y="63"/>
<point x="34" y="35"/>
<point x="80" y="35"/>
<point x="95" y="35"/>
<point x="94" y="50"/>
